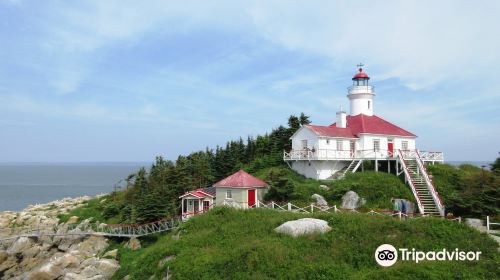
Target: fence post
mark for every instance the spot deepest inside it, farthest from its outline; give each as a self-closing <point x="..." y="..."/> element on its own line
<point x="312" y="208"/>
<point x="487" y="224"/>
<point x="272" y="204"/>
<point x="289" y="206"/>
<point x="258" y="203"/>
<point x="459" y="220"/>
<point x="399" y="215"/>
<point x="335" y="208"/>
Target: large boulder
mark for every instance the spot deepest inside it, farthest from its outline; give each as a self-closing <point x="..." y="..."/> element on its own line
<point x="320" y="200"/>
<point x="351" y="200"/>
<point x="303" y="227"/>
<point x="20" y="245"/>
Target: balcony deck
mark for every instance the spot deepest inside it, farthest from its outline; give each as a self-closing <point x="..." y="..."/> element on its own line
<point x="330" y="154"/>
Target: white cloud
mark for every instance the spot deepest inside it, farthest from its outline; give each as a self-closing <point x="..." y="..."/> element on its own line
<point x="421" y="42"/>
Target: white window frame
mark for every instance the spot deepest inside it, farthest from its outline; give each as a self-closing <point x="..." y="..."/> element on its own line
<point x="229" y="194"/>
<point x="404" y="145"/>
<point x="304" y="144"/>
<point x="376" y="145"/>
<point x="340" y="145"/>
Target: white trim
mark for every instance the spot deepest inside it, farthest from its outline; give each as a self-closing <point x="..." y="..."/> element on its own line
<point x="392" y="135"/>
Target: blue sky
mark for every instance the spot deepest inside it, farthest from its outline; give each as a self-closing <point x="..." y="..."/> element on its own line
<point x="129" y="80"/>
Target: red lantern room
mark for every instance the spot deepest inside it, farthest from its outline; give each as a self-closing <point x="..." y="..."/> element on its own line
<point x="361" y="78"/>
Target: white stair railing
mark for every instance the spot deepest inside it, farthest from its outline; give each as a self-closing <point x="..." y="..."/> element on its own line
<point x="430" y="185"/>
<point x="410" y="180"/>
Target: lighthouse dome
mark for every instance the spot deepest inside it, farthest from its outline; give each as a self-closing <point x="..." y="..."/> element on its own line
<point x="360" y="75"/>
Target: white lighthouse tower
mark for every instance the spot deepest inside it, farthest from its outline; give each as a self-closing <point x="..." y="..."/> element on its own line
<point x="361" y="94"/>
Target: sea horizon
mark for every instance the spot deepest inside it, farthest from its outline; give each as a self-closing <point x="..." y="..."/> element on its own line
<point x="29" y="183"/>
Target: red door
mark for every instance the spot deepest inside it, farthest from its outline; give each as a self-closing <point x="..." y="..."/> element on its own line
<point x="251" y="198"/>
<point x="390" y="148"/>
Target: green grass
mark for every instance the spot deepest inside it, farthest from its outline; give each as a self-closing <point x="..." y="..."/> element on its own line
<point x="91" y="209"/>
<point x="235" y="244"/>
<point x="376" y="187"/>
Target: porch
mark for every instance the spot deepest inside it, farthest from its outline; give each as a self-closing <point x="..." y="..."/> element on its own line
<point x="334" y="155"/>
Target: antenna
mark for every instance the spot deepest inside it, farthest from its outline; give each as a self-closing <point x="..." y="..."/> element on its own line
<point x="360" y="65"/>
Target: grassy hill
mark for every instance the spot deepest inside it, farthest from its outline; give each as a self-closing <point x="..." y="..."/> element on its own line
<point x="235" y="244"/>
<point x="376" y="187"/>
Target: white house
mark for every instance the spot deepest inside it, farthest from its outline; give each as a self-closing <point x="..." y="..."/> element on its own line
<point x="329" y="152"/>
<point x="240" y="190"/>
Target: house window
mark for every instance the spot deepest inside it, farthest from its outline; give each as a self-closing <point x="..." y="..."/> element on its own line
<point x="404" y="145"/>
<point x="376" y="145"/>
<point x="229" y="194"/>
<point x="327" y="141"/>
<point x="368" y="104"/>
<point x="190" y="203"/>
<point x="304" y="144"/>
<point x="339" y="145"/>
<point x="352" y="145"/>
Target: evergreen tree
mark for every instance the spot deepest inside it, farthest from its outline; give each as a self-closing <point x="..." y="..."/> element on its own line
<point x="280" y="186"/>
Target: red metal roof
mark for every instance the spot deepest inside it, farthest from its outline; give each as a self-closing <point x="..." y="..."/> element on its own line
<point x="332" y="131"/>
<point x="240" y="179"/>
<point x="375" y="125"/>
<point x="200" y="193"/>
<point x="361" y="74"/>
<point x="361" y="124"/>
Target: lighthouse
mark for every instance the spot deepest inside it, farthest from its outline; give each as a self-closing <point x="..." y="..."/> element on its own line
<point x="361" y="94"/>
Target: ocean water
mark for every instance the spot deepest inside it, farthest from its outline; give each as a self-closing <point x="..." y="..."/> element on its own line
<point x="25" y="184"/>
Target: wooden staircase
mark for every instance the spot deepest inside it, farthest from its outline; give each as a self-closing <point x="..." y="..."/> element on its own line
<point x="351" y="168"/>
<point x="426" y="195"/>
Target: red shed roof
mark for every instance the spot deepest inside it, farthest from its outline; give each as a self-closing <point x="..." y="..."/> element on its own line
<point x="200" y="193"/>
<point x="361" y="124"/>
<point x="240" y="179"/>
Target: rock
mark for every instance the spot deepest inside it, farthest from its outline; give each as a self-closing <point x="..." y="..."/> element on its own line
<point x="351" y="200"/>
<point x="112" y="254"/>
<point x="3" y="256"/>
<point x="133" y="244"/>
<point x="303" y="227"/>
<point x="163" y="261"/>
<point x="73" y="220"/>
<point x="320" y="200"/>
<point x="47" y="272"/>
<point x="474" y="222"/>
<point x="20" y="245"/>
<point x="324" y="187"/>
<point x="107" y="267"/>
<point x="92" y="246"/>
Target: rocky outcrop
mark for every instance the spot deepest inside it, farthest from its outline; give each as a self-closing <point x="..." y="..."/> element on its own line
<point x="303" y="227"/>
<point x="320" y="200"/>
<point x="351" y="200"/>
<point x="47" y="257"/>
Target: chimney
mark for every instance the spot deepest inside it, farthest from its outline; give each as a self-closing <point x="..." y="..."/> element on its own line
<point x="341" y="119"/>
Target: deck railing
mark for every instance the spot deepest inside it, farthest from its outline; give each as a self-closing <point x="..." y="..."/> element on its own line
<point x="331" y="154"/>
